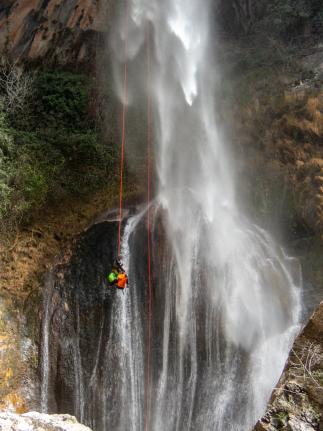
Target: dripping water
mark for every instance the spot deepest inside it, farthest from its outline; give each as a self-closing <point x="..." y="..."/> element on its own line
<point x="45" y="344"/>
<point x="124" y="349"/>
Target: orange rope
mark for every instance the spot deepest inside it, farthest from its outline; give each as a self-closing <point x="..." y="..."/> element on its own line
<point x="123" y="126"/>
<point x="149" y="301"/>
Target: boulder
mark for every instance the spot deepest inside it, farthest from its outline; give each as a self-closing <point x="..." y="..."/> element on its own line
<point x="294" y="424"/>
<point x="35" y="421"/>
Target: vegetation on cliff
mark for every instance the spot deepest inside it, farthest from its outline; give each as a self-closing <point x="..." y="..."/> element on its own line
<point x="51" y="147"/>
<point x="57" y="173"/>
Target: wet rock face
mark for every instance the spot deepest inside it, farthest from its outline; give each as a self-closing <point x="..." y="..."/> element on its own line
<point x="34" y="421"/>
<point x="78" y="301"/>
<point x="64" y="32"/>
<point x="95" y="333"/>
<point x="84" y="368"/>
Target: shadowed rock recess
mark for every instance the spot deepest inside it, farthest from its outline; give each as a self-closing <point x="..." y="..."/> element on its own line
<point x="78" y="305"/>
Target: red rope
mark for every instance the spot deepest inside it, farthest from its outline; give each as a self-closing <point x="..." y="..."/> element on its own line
<point x="123" y="123"/>
<point x="149" y="301"/>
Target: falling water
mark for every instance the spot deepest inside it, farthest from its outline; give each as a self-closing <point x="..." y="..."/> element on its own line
<point x="226" y="297"/>
<point x="124" y="383"/>
<point x="230" y="293"/>
<point x="45" y="345"/>
<point x="79" y="380"/>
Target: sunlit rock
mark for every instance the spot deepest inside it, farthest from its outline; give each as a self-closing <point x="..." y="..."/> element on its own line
<point x="63" y="32"/>
<point x="34" y="421"/>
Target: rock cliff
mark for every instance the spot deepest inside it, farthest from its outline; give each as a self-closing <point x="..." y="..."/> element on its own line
<point x="55" y="32"/>
<point x="23" y="265"/>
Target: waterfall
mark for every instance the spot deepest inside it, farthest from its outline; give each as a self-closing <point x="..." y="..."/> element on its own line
<point x="225" y="296"/>
<point x="230" y="295"/>
<point x="123" y="383"/>
<point x="79" y="379"/>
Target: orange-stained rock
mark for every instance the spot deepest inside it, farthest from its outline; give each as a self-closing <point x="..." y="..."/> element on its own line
<point x="64" y="32"/>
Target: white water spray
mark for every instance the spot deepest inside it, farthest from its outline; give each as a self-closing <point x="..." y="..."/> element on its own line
<point x="124" y="377"/>
<point x="250" y="286"/>
<point x="45" y="344"/>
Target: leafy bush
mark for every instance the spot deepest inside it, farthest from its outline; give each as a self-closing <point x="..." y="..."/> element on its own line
<point x="51" y="150"/>
<point x="62" y="100"/>
<point x="30" y="187"/>
<point x="6" y="164"/>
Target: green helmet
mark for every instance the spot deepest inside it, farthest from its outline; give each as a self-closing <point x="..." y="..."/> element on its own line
<point x="112" y="277"/>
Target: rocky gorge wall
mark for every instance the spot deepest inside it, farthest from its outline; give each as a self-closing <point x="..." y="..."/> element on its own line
<point x="277" y="137"/>
<point x="53" y="32"/>
<point x="25" y="260"/>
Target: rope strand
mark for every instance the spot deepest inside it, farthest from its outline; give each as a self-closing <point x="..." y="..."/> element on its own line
<point x="123" y="123"/>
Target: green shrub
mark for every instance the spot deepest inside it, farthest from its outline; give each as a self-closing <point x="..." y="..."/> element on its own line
<point x="51" y="150"/>
<point x="62" y="100"/>
<point x="5" y="190"/>
<point x="6" y="164"/>
<point x="30" y="187"/>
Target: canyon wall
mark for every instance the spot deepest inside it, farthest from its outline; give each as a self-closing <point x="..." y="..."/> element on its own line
<point x="55" y="32"/>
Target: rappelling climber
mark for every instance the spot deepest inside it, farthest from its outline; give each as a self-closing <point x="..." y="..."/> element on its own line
<point x="113" y="276"/>
<point x="118" y="276"/>
<point x="122" y="280"/>
<point x="117" y="264"/>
